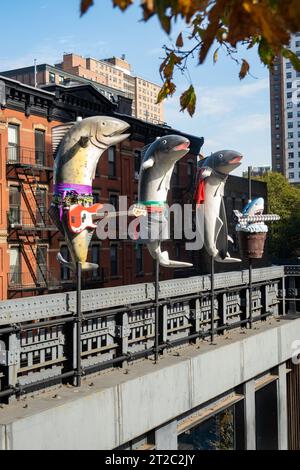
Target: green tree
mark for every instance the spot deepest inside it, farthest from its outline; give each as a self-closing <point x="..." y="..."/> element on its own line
<point x="284" y="200"/>
<point x="222" y="24"/>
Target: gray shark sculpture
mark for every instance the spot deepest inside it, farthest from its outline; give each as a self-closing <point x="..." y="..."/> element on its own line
<point x="77" y="148"/>
<point x="211" y="217"/>
<point x="158" y="161"/>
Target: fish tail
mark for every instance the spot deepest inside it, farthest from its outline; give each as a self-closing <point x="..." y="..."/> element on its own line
<point x="163" y="257"/>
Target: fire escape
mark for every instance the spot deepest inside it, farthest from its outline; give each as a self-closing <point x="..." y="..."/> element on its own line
<point x="30" y="228"/>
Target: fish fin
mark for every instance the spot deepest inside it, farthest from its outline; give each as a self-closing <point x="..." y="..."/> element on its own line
<point x="65" y="263"/>
<point x="219" y="225"/>
<point x="148" y="164"/>
<point x="85" y="266"/>
<point x="144" y="150"/>
<point x="230" y="239"/>
<point x="164" y="260"/>
<point x="58" y="133"/>
<point x="227" y="259"/>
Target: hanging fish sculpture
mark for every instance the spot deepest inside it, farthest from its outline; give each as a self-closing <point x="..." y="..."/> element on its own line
<point x="77" y="148"/>
<point x="158" y="161"/>
<point x="211" y="217"/>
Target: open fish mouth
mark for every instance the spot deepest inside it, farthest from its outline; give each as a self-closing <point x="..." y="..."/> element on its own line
<point x="183" y="146"/>
<point x="118" y="131"/>
<point x="235" y="160"/>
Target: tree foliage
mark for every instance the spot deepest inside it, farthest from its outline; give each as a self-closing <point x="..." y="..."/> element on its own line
<point x="223" y="24"/>
<point x="284" y="200"/>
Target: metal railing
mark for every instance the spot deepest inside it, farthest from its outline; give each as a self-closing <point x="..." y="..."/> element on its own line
<point x="43" y="279"/>
<point x="37" y="220"/>
<point x="35" y="158"/>
<point x="38" y="343"/>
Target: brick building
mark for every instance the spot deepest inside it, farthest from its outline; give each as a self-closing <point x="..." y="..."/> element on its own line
<point x="29" y="242"/>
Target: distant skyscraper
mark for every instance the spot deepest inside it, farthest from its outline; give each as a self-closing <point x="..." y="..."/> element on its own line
<point x="285" y="115"/>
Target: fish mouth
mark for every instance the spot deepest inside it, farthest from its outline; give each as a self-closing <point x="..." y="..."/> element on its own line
<point x="183" y="146"/>
<point x="118" y="131"/>
<point x="235" y="160"/>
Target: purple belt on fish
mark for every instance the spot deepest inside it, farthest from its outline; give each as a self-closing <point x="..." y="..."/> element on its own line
<point x="62" y="189"/>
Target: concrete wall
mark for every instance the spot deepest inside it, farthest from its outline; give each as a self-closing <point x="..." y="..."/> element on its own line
<point x="118" y="407"/>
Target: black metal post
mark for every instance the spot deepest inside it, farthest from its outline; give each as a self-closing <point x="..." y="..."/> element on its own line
<point x="79" y="325"/>
<point x="250" y="259"/>
<point x="156" y="340"/>
<point x="212" y="299"/>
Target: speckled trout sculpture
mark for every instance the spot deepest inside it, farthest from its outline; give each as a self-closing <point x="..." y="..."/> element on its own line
<point x="158" y="161"/>
<point x="77" y="148"/>
<point x="211" y="217"/>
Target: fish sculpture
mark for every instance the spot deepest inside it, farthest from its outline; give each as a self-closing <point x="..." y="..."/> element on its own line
<point x="255" y="207"/>
<point x="211" y="217"/>
<point x="77" y="148"/>
<point x="158" y="161"/>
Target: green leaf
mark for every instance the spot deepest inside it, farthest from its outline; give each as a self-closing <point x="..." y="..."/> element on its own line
<point x="295" y="61"/>
<point x="168" y="89"/>
<point x="188" y="100"/>
<point x="265" y="52"/>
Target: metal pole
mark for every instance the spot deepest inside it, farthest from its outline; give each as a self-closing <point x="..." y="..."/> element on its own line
<point x="250" y="293"/>
<point x="79" y="324"/>
<point x="156" y="341"/>
<point x="35" y="74"/>
<point x="250" y="259"/>
<point x="212" y="301"/>
<point x="249" y="184"/>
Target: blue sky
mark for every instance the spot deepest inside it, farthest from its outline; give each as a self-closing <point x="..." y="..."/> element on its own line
<point x="230" y="113"/>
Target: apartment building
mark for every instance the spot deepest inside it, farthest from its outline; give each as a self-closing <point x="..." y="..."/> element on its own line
<point x="29" y="242"/>
<point x="113" y="77"/>
<point x="285" y="115"/>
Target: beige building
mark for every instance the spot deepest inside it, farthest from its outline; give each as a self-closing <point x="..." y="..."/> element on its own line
<point x="116" y="73"/>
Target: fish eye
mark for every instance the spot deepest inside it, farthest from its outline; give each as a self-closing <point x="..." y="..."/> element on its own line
<point x="221" y="155"/>
<point x="103" y="123"/>
<point x="164" y="142"/>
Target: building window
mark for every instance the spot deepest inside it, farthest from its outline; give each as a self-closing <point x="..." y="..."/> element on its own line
<point x="291" y="175"/>
<point x="61" y="79"/>
<point x="64" y="271"/>
<point x="139" y="259"/>
<point x="291" y="166"/>
<point x="113" y="260"/>
<point x="289" y="85"/>
<point x="13" y="143"/>
<point x="288" y="65"/>
<point x="41" y="269"/>
<point x="289" y="95"/>
<point x="290" y="135"/>
<point x="96" y="273"/>
<point x="289" y="75"/>
<point x="14" y="266"/>
<point x="14" y="205"/>
<point x="137" y="163"/>
<point x="291" y="145"/>
<point x="114" y="200"/>
<point x="112" y="168"/>
<point x="290" y="125"/>
<point x="291" y="154"/>
<point x="40" y="147"/>
<point x="290" y="115"/>
<point x="289" y="104"/>
<point x="52" y="77"/>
